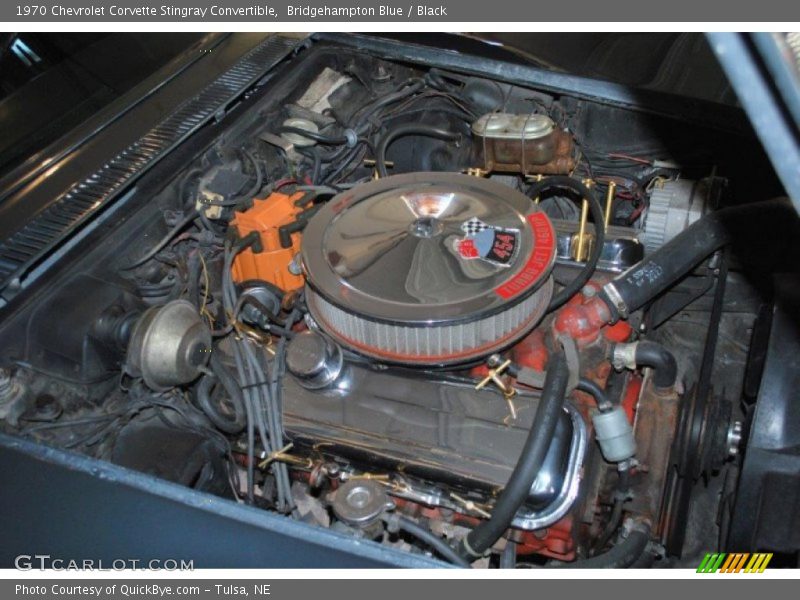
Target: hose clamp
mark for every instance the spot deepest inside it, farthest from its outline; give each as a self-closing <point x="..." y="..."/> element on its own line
<point x="468" y="548"/>
<point x="639" y="524"/>
<point x="616" y="299"/>
<point x="623" y="356"/>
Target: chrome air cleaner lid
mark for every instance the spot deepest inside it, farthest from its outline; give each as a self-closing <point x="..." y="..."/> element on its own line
<point x="428" y="268"/>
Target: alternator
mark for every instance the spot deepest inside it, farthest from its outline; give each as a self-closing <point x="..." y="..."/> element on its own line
<point x="674" y="205"/>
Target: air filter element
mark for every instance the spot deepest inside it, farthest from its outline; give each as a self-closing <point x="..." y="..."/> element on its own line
<point x="428" y="268"/>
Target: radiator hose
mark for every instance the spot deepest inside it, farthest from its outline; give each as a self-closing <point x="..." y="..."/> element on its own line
<point x="484" y="536"/>
<point x="744" y="226"/>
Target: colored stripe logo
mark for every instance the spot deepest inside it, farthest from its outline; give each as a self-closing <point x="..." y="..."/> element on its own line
<point x="736" y="562"/>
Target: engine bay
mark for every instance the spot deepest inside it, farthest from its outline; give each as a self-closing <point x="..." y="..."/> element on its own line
<point x="457" y="316"/>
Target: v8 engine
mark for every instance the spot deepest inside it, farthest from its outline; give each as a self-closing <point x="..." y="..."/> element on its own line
<point x="437" y="310"/>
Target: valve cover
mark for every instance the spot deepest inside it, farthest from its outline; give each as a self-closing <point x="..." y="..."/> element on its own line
<point x="428" y="268"/>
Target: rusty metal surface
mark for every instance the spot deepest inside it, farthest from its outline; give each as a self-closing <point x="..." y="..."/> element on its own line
<point x="654" y="428"/>
<point x="509" y="156"/>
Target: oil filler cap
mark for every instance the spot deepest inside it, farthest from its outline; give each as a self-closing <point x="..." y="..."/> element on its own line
<point x="314" y="360"/>
<point x="428" y="268"/>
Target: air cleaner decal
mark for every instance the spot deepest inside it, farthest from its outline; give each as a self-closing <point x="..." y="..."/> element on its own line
<point x="496" y="245"/>
<point x="539" y="262"/>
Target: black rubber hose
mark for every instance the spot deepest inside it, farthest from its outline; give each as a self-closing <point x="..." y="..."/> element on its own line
<point x="645" y="561"/>
<point x="748" y="227"/>
<point x="405" y="130"/>
<point x="426" y="536"/>
<point x="185" y="221"/>
<point x="259" y="182"/>
<point x="595" y="391"/>
<point x="237" y="420"/>
<point x="661" y="360"/>
<point x="206" y="403"/>
<point x="404" y="90"/>
<point x="568" y="183"/>
<point x="529" y="464"/>
<point x="625" y="554"/>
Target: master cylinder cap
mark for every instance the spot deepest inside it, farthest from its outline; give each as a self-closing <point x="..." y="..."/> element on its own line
<point x="428" y="268"/>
